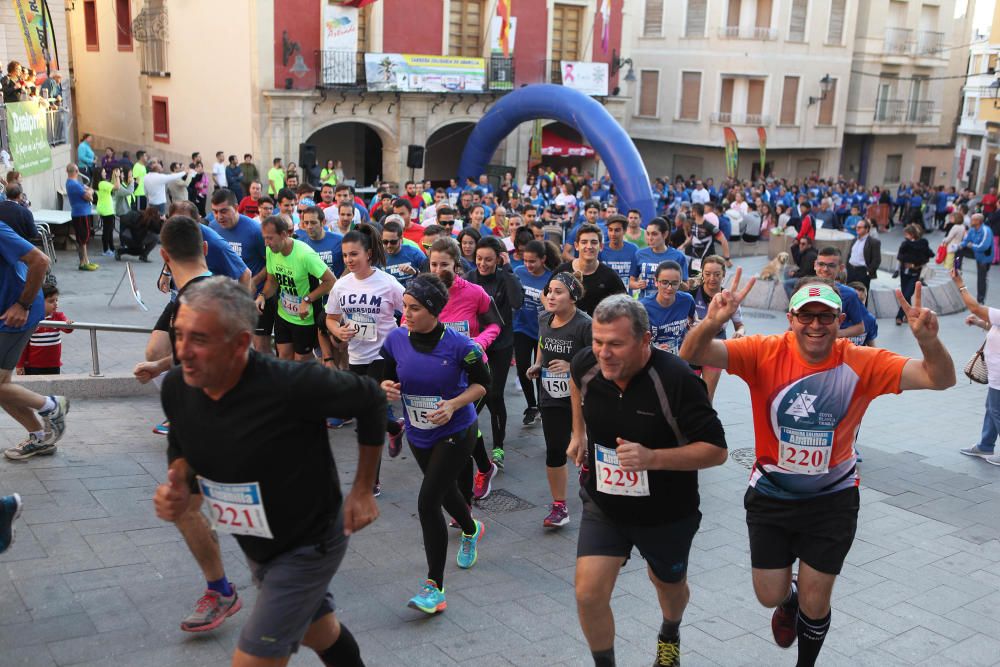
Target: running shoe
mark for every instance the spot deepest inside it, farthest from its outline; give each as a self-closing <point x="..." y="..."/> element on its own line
<point x="10" y="509"/>
<point x="483" y="483"/>
<point x="163" y="428"/>
<point x="498" y="457"/>
<point x="429" y="600"/>
<point x="993" y="460"/>
<point x="558" y="516"/>
<point x="211" y="610"/>
<point x="335" y="422"/>
<point x="530" y="416"/>
<point x="377" y="489"/>
<point x="783" y="621"/>
<point x="468" y="549"/>
<point x="109" y="253"/>
<point x="89" y="266"/>
<point x="55" y="420"/>
<point x="30" y="446"/>
<point x="668" y="654"/>
<point x="396" y="441"/>
<point x="976" y="451"/>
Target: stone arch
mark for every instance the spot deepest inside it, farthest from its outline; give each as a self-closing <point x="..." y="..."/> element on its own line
<point x="386" y="135"/>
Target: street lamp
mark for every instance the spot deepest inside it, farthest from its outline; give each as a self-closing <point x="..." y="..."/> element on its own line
<point x="825" y="85"/>
<point x="617" y="62"/>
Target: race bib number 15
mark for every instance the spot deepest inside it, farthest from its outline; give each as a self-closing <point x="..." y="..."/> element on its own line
<point x="417" y="409"/>
<point x="236" y="509"/>
<point x="611" y="479"/>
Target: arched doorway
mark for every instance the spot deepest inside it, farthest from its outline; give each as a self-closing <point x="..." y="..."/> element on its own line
<point x="444" y="150"/>
<point x="357" y="145"/>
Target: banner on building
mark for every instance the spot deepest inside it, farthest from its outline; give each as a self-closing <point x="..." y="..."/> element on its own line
<point x="535" y="151"/>
<point x="762" y="140"/>
<point x="32" y="25"/>
<point x="496" y="36"/>
<point x="340" y="44"/>
<point x="732" y="152"/>
<point x="588" y="78"/>
<point x="404" y="72"/>
<point x="28" y="137"/>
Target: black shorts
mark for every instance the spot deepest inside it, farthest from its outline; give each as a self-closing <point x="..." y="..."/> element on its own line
<point x="265" y="323"/>
<point x="665" y="547"/>
<point x="166" y="317"/>
<point x="818" y="531"/>
<point x="81" y="229"/>
<point x="301" y="336"/>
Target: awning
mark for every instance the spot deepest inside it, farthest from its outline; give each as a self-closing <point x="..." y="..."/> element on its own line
<point x="555" y="145"/>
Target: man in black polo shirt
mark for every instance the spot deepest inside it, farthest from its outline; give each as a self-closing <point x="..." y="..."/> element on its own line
<point x="249" y="432"/>
<point x="643" y="425"/>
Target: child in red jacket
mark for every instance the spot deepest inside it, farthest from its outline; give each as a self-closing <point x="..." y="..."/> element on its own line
<point x="43" y="353"/>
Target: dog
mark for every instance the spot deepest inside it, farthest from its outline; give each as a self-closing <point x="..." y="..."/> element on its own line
<point x="775" y="269"/>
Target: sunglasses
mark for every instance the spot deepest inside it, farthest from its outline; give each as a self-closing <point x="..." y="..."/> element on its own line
<point x="390" y="241"/>
<point x="824" y="318"/>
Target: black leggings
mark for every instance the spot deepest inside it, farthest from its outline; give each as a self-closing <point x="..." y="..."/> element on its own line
<point x="107" y="232"/>
<point x="557" y="427"/>
<point x="376" y="371"/>
<point x="499" y="363"/>
<point x="442" y="465"/>
<point x="525" y="348"/>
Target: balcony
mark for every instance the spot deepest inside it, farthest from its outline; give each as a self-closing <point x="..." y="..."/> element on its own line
<point x="905" y="42"/>
<point x="729" y="118"/>
<point x="929" y="44"/>
<point x="905" y="112"/>
<point x="345" y="70"/>
<point x="56" y="127"/>
<point x="748" y="32"/>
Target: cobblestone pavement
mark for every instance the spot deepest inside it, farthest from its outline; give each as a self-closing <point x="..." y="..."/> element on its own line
<point x="94" y="578"/>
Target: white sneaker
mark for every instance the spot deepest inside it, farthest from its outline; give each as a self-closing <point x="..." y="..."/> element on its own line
<point x="55" y="420"/>
<point x="993" y="460"/>
<point x="975" y="451"/>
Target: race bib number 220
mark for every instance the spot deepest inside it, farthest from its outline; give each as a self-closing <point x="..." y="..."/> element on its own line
<point x="805" y="452"/>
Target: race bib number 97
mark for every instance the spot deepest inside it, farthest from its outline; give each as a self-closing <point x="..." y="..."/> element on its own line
<point x="555" y="385"/>
<point x="236" y="509"/>
<point x="805" y="452"/>
<point x="417" y="409"/>
<point x="611" y="479"/>
<point x="364" y="325"/>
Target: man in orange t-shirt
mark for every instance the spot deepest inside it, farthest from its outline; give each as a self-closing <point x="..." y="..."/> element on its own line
<point x="809" y="390"/>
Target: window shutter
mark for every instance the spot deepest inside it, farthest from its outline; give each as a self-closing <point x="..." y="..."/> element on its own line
<point x="690" y="95"/>
<point x="733" y="15"/>
<point x="789" y="97"/>
<point x="697" y="11"/>
<point x="797" y="24"/>
<point x="826" y="106"/>
<point x="653" y="19"/>
<point x="649" y="87"/>
<point x="726" y="99"/>
<point x="835" y="29"/>
<point x="764" y="8"/>
<point x="755" y="97"/>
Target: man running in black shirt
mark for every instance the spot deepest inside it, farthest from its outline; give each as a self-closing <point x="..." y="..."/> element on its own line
<point x="249" y="432"/>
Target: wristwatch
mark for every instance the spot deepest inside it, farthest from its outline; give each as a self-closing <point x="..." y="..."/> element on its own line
<point x="307" y="299"/>
<point x="25" y="306"/>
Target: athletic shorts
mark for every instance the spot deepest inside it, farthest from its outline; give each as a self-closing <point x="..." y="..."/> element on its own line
<point x="163" y="321"/>
<point x="81" y="229"/>
<point x="818" y="531"/>
<point x="301" y="336"/>
<point x="11" y="347"/>
<point x="265" y="322"/>
<point x="292" y="593"/>
<point x="665" y="547"/>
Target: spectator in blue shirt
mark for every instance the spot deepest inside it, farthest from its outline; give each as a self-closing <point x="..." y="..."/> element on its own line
<point x="978" y="244"/>
<point x="81" y="211"/>
<point x="940" y="207"/>
<point x="85" y="156"/>
<point x="241" y="233"/>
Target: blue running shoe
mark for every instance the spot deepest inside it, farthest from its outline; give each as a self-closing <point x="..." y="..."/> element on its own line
<point x="10" y="509"/>
<point x="429" y="600"/>
<point x="468" y="549"/>
<point x="163" y="428"/>
<point x="334" y="422"/>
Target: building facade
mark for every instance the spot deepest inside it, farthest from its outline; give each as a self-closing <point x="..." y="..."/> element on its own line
<point x="977" y="150"/>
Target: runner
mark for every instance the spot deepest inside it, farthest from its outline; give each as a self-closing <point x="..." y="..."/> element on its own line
<point x="10" y="510"/>
<point x="809" y="391"/>
<point x="230" y="408"/>
<point x="539" y="260"/>
<point x="599" y="280"/>
<point x="671" y="312"/>
<point x="500" y="283"/>
<point x="563" y="330"/>
<point x="402" y="260"/>
<point x="438" y="373"/>
<point x="619" y="253"/>
<point x="299" y="278"/>
<point x="700" y="245"/>
<point x="643" y="271"/>
<point x="643" y="425"/>
<point x="713" y="272"/>
<point x="22" y="272"/>
<point x="328" y="246"/>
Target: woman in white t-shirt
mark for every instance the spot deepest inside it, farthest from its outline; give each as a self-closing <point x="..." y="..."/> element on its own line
<point x="564" y="198"/>
<point x="988" y="319"/>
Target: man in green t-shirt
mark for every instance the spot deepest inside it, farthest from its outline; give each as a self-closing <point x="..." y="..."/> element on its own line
<point x="300" y="278"/>
<point x="275" y="178"/>
<point x="139" y="177"/>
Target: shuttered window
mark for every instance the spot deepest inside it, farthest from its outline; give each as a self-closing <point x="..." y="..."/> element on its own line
<point x="697" y="12"/>
<point x="726" y="99"/>
<point x="649" y="92"/>
<point x="835" y="28"/>
<point x="797" y="24"/>
<point x="690" y="95"/>
<point x="652" y="25"/>
<point x="827" y="105"/>
<point x="567" y="25"/>
<point x="733" y="15"/>
<point x="789" y="100"/>
<point x="465" y="28"/>
<point x="755" y="97"/>
<point x="763" y="14"/>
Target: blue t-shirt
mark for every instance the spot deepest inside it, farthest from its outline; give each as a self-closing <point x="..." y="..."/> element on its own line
<point x="852" y="308"/>
<point x="726" y="226"/>
<point x="221" y="259"/>
<point x="941" y="202"/>
<point x="13" y="276"/>
<point x="246" y="240"/>
<point x="645" y="262"/>
<point x="408" y="256"/>
<point x="619" y="260"/>
<point x="78" y="206"/>
<point x="526" y="317"/>
<point x="668" y="326"/>
<point x="329" y="250"/>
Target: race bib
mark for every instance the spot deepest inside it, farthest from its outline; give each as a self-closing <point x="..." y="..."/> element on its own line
<point x="236" y="509"/>
<point x="461" y="327"/>
<point x="805" y="452"/>
<point x="611" y="479"/>
<point x="290" y="302"/>
<point x="364" y="325"/>
<point x="555" y="385"/>
<point x="417" y="409"/>
<point x="694" y="264"/>
<point x="666" y="347"/>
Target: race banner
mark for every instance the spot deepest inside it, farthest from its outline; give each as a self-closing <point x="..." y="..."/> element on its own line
<point x="762" y="140"/>
<point x="28" y="137"/>
<point x="588" y="78"/>
<point x="732" y="152"/>
<point x="405" y="72"/>
<point x="32" y="27"/>
<point x="340" y="44"/>
<point x="535" y="151"/>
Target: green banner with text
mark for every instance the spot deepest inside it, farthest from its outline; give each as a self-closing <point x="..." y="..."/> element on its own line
<point x="28" y="137"/>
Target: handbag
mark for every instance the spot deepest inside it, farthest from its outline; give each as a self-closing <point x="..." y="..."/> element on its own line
<point x="942" y="252"/>
<point x="975" y="370"/>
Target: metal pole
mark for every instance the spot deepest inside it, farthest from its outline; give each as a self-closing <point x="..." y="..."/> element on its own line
<point x="94" y="354"/>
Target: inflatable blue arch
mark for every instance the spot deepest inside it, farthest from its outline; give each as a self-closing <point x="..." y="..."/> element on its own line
<point x="581" y="112"/>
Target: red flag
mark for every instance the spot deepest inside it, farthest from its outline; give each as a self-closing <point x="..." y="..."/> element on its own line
<point x="503" y="9"/>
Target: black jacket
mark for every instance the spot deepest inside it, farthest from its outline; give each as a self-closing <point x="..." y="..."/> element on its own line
<point x="507" y="294"/>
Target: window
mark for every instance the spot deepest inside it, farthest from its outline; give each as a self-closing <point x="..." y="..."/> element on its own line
<point x="789" y="101"/>
<point x="975" y="143"/>
<point x="90" y="25"/>
<point x="465" y="28"/>
<point x="893" y="168"/>
<point x="755" y="101"/>
<point x="652" y="23"/>
<point x="991" y="63"/>
<point x="690" y="95"/>
<point x="970" y="107"/>
<point x="726" y="98"/>
<point x="764" y="8"/>
<point x="649" y="92"/>
<point x="567" y="25"/>
<point x="826" y="107"/>
<point x="697" y="13"/>
<point x="797" y="24"/>
<point x="835" y="28"/>
<point x="733" y="15"/>
<point x="123" y="24"/>
<point x="161" y="120"/>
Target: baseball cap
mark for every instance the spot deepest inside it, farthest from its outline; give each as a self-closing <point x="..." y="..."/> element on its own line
<point x="816" y="293"/>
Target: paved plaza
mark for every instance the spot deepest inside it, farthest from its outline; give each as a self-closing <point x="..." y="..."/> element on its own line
<point x="95" y="578"/>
